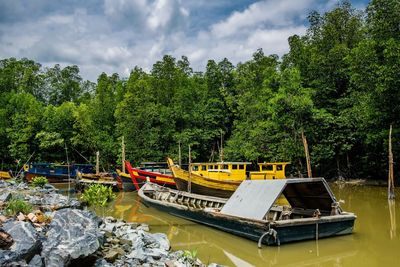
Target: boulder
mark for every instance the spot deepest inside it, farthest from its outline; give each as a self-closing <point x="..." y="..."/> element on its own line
<point x="36" y="261"/>
<point x="52" y="201"/>
<point x="73" y="235"/>
<point x="5" y="196"/>
<point x="5" y="240"/>
<point x="26" y="241"/>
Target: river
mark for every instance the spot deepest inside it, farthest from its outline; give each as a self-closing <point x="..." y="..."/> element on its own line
<point x="374" y="242"/>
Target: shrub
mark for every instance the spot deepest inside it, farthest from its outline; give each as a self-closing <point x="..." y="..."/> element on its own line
<point x="17" y="205"/>
<point x="39" y="181"/>
<point x="98" y="195"/>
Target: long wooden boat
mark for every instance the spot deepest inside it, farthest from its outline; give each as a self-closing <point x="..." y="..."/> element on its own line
<point x="251" y="212"/>
<point x="55" y="173"/>
<point x="125" y="179"/>
<point x="221" y="179"/>
<point x="103" y="178"/>
<point x="4" y="175"/>
<point x="140" y="177"/>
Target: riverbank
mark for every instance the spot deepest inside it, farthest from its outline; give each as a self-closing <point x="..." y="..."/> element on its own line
<point x="54" y="230"/>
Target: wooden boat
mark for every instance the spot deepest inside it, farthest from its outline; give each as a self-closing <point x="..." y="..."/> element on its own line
<point x="55" y="173"/>
<point x="5" y="175"/>
<point x="251" y="212"/>
<point x="104" y="178"/>
<point x="141" y="176"/>
<point x="220" y="179"/>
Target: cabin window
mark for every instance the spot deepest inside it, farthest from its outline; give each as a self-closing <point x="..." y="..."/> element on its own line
<point x="215" y="167"/>
<point x="234" y="167"/>
<point x="267" y="167"/>
<point x="278" y="167"/>
<point x="241" y="167"/>
<point x="203" y="167"/>
<point x="195" y="168"/>
<point x="225" y="167"/>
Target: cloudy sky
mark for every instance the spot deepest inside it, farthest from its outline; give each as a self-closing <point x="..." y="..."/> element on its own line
<point x="116" y="35"/>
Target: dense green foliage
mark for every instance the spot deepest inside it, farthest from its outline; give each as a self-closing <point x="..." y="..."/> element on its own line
<point x="339" y="84"/>
<point x="98" y="195"/>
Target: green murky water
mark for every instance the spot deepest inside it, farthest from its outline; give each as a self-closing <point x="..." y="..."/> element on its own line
<point x="375" y="241"/>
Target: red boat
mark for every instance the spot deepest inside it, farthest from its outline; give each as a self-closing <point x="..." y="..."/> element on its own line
<point x="142" y="175"/>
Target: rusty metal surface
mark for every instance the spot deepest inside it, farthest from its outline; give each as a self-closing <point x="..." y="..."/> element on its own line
<point x="253" y="199"/>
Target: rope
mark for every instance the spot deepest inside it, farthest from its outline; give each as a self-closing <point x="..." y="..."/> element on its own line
<point x="270" y="233"/>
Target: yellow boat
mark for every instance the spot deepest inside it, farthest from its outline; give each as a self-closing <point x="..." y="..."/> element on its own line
<point x="5" y="175"/>
<point x="221" y="179"/>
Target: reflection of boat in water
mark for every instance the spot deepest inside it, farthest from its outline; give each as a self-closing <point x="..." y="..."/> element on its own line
<point x="251" y="212"/>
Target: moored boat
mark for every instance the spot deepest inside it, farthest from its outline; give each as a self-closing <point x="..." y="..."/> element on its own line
<point x="251" y="212"/>
<point x="221" y="179"/>
<point x="55" y="173"/>
<point x="103" y="178"/>
<point x="140" y="176"/>
<point x="4" y="175"/>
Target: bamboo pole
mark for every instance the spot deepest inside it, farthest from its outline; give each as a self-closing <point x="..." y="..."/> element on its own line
<point x="391" y="176"/>
<point x="123" y="155"/>
<point x="303" y="137"/>
<point x="179" y="155"/>
<point x="190" y="173"/>
<point x="222" y="149"/>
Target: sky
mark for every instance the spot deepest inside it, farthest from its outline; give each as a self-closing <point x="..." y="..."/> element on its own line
<point x="114" y="36"/>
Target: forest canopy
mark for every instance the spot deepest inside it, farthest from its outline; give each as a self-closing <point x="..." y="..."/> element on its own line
<point x="339" y="84"/>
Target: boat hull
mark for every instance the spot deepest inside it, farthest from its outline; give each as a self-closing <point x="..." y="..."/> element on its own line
<point x="53" y="179"/>
<point x="254" y="231"/>
<point x="183" y="185"/>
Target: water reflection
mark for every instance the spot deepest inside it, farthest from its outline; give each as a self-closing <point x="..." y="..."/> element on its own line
<point x="374" y="242"/>
<point x="392" y="215"/>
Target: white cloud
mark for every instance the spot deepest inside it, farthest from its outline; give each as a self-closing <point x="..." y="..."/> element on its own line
<point x="262" y="14"/>
<point x="116" y="35"/>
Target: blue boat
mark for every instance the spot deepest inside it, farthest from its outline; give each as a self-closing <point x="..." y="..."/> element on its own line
<point x="56" y="173"/>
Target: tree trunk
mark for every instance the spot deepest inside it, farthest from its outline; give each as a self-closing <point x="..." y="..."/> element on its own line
<point x="303" y="137"/>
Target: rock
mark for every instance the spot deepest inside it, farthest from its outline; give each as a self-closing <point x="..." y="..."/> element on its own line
<point x="21" y="217"/>
<point x="157" y="240"/>
<point x="36" y="261"/>
<point x="72" y="235"/>
<point x="52" y="201"/>
<point x="32" y="217"/>
<point x="143" y="227"/>
<point x="3" y="218"/>
<point x="111" y="255"/>
<point x="26" y="242"/>
<point x="5" y="196"/>
<point x="101" y="263"/>
<point x="7" y="256"/>
<point x="6" y="240"/>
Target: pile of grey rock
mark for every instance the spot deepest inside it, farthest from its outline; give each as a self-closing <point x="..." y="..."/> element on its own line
<point x="77" y="237"/>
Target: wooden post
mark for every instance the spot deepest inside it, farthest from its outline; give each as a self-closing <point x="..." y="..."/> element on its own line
<point x="189" y="189"/>
<point x="123" y="155"/>
<point x="303" y="137"/>
<point x="222" y="149"/>
<point x="391" y="176"/>
<point x="97" y="162"/>
<point x="179" y="155"/>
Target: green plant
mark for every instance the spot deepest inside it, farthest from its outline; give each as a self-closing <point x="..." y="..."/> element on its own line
<point x="190" y="255"/>
<point x="98" y="195"/>
<point x="39" y="181"/>
<point x="17" y="205"/>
